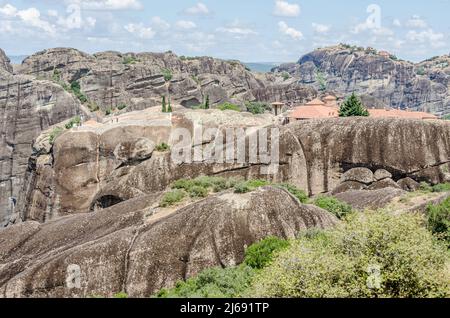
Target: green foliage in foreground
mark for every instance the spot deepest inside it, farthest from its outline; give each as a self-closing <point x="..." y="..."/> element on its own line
<point x="374" y="254"/>
<point x="229" y="106"/>
<point x="439" y="220"/>
<point x="260" y="254"/>
<point x="228" y="282"/>
<point x="121" y="295"/>
<point x="213" y="283"/>
<point x="172" y="197"/>
<point x="75" y="88"/>
<point x="334" y="206"/>
<point x="353" y="107"/>
<point x="441" y="187"/>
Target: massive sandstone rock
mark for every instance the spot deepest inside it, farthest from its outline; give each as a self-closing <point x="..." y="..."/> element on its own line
<point x="138" y="248"/>
<point x="5" y="63"/>
<point x="139" y="80"/>
<point x="314" y="155"/>
<point x="423" y="86"/>
<point x="27" y="107"/>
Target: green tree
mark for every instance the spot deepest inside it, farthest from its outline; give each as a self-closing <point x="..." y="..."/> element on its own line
<point x="207" y="102"/>
<point x="169" y="108"/>
<point x="353" y="107"/>
<point x="320" y="78"/>
<point x="164" y="107"/>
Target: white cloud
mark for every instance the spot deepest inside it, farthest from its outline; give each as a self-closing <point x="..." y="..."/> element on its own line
<point x="237" y="30"/>
<point x="107" y="4"/>
<point x="321" y="28"/>
<point x="8" y="10"/>
<point x="159" y="23"/>
<point x="198" y="9"/>
<point x="293" y="33"/>
<point x="396" y="23"/>
<point x="435" y="39"/>
<point x="416" y="23"/>
<point x="185" y="25"/>
<point x="52" y="13"/>
<point x="140" y="31"/>
<point x="285" y="9"/>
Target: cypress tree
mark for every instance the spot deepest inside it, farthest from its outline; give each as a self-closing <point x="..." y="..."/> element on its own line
<point x="164" y="108"/>
<point x="353" y="107"/>
<point x="169" y="108"/>
<point x="207" y="102"/>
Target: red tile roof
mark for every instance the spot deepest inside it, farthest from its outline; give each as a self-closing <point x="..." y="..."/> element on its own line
<point x="311" y="112"/>
<point x="383" y="113"/>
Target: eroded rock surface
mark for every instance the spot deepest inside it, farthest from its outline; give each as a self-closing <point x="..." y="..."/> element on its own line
<point x="139" y="249"/>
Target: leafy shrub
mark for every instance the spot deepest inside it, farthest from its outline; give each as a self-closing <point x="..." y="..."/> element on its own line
<point x="442" y="187"/>
<point x="54" y="134"/>
<point x="229" y="106"/>
<point x="93" y="107"/>
<point x="438" y="217"/>
<point x="172" y="197"/>
<point x="334" y="206"/>
<point x="198" y="192"/>
<point x="296" y="192"/>
<point x="121" y="106"/>
<point x="108" y="111"/>
<point x="446" y="117"/>
<point x="76" y="121"/>
<point x="250" y="185"/>
<point x="213" y="283"/>
<point x="75" y="88"/>
<point x="127" y="60"/>
<point x="374" y="254"/>
<point x="257" y="108"/>
<point x="167" y="74"/>
<point x="425" y="187"/>
<point x="217" y="184"/>
<point x="285" y="76"/>
<point x="260" y="254"/>
<point x="121" y="295"/>
<point x="163" y="147"/>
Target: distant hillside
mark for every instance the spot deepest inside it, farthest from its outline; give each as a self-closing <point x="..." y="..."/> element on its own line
<point x="344" y="69"/>
<point x="263" y="67"/>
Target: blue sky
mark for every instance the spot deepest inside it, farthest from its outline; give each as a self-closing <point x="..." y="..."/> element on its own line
<point x="248" y="30"/>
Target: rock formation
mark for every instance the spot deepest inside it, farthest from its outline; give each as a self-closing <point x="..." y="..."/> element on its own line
<point x="27" y="107"/>
<point x="139" y="249"/>
<point x="392" y="82"/>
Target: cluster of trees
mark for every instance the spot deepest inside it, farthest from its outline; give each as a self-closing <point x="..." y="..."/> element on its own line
<point x="166" y="107"/>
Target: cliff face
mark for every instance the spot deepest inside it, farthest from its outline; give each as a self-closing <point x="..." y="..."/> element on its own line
<point x="27" y="107"/>
<point x="84" y="170"/>
<point x="423" y="86"/>
<point x="139" y="81"/>
<point x="5" y="63"/>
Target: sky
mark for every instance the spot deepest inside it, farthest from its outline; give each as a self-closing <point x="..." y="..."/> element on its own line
<point x="247" y="30"/>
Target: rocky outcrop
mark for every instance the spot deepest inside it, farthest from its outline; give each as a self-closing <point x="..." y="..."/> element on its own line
<point x="344" y="70"/>
<point x="138" y="248"/>
<point x="110" y="79"/>
<point x="408" y="184"/>
<point x="365" y="199"/>
<point x="86" y="173"/>
<point x="27" y="107"/>
<point x="5" y="63"/>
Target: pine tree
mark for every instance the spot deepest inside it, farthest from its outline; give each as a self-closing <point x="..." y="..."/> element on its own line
<point x="169" y="108"/>
<point x="207" y="102"/>
<point x="353" y="107"/>
<point x="164" y="108"/>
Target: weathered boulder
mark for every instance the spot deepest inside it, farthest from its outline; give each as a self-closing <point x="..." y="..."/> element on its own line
<point x="385" y="183"/>
<point x="136" y="150"/>
<point x="348" y="186"/>
<point x="381" y="174"/>
<point x="408" y="184"/>
<point x="137" y="248"/>
<point x="361" y="175"/>
<point x="365" y="199"/>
